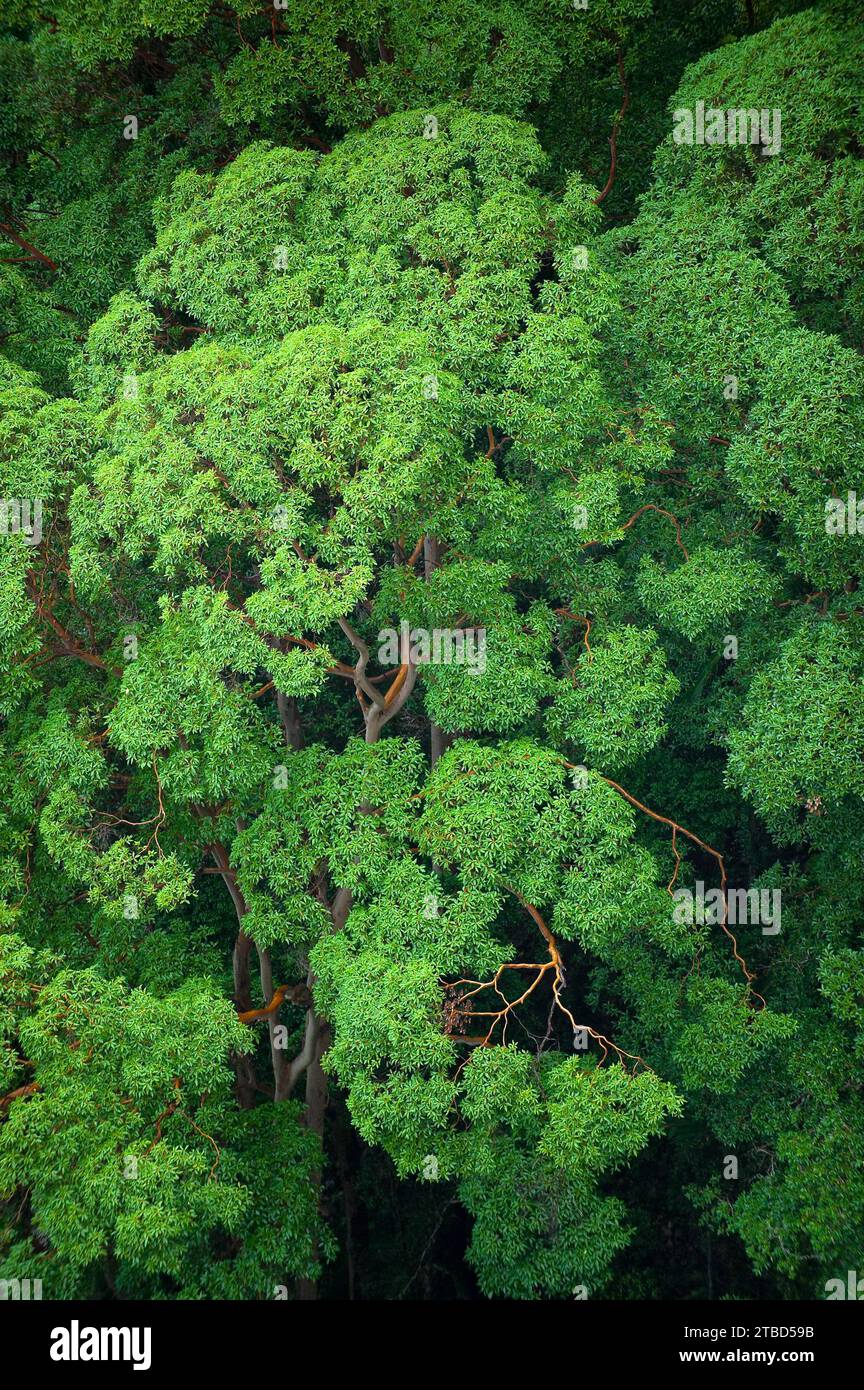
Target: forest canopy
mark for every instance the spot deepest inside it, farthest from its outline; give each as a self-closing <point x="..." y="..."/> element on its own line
<point x="431" y="648"/>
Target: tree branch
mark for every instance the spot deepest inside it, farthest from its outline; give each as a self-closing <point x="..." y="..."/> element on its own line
<point x="27" y="246"/>
<point x="613" y="138"/>
<point x="362" y="650"/>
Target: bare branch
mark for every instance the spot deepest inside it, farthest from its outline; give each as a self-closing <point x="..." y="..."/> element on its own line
<point x="362" y="650"/>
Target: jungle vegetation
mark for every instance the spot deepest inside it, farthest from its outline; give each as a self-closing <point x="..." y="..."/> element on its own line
<point x="335" y="970"/>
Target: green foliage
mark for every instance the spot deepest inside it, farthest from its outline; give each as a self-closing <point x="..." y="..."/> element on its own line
<point x="120" y="1146"/>
<point x="802" y="716"/>
<point x="540" y="1223"/>
<point x="386" y="466"/>
<point x="625" y="673"/>
<point x="703" y="595"/>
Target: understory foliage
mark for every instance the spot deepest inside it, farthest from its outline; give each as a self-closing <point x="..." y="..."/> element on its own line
<point x="342" y="967"/>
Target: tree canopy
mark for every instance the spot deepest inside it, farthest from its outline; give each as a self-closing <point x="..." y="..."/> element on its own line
<point x="430" y="556"/>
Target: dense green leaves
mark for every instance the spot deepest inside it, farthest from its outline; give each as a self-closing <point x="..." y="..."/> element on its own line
<point x="422" y="563"/>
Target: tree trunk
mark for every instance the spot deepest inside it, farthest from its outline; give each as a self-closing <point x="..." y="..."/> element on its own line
<point x="439" y="741"/>
<point x="316" y="1108"/>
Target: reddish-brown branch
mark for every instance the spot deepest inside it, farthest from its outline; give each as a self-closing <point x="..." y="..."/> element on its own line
<point x="648" y="507"/>
<point x="294" y="994"/>
<point x="677" y="830"/>
<point x="415" y="553"/>
<point x="19" y="1093"/>
<point x="45" y="610"/>
<point x="715" y="854"/>
<point x="502" y="1015"/>
<point x="398" y="682"/>
<point x="166" y="1113"/>
<point x="27" y="246"/>
<point x="577" y="618"/>
<point x="652" y="507"/>
<point x="613" y="138"/>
